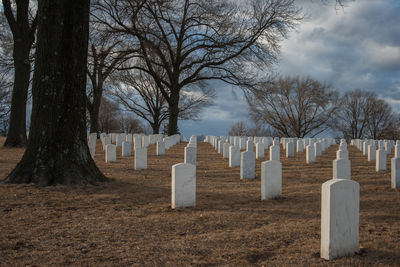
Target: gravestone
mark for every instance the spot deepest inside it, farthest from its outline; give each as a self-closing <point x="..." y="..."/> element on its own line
<point x="340" y="207"/>
<point x="111" y="154"/>
<point x="290" y="149"/>
<point x="371" y="152"/>
<point x="183" y="186"/>
<point x="274" y="153"/>
<point x="259" y="150"/>
<point x="126" y="149"/>
<point x="160" y="148"/>
<point x="395" y="174"/>
<point x="310" y="154"/>
<point x="380" y="160"/>
<point x="300" y="145"/>
<point x="271" y="179"/>
<point x="247" y="165"/>
<point x="341" y="169"/>
<point x="225" y="150"/>
<point x="140" y="158"/>
<point x="190" y="155"/>
<point x="234" y="156"/>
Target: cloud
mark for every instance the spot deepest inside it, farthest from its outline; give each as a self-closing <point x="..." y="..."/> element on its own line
<point x="354" y="47"/>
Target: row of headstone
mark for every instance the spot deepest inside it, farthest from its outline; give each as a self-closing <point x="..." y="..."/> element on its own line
<point x="340" y="209"/>
<point x="271" y="170"/>
<point x="385" y="147"/>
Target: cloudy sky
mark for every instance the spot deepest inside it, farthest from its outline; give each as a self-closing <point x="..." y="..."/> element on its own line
<point x="354" y="47"/>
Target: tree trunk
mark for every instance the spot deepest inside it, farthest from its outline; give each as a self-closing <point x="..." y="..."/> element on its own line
<point x="57" y="151"/>
<point x="16" y="136"/>
<point x="156" y="128"/>
<point x="173" y="108"/>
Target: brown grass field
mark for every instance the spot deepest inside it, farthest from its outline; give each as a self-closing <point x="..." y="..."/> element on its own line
<point x="129" y="221"/>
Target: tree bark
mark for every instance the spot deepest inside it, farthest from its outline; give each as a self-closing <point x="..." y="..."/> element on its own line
<point x="173" y="108"/>
<point x="23" y="36"/>
<point x="16" y="136"/>
<point x="57" y="151"/>
<point x="94" y="111"/>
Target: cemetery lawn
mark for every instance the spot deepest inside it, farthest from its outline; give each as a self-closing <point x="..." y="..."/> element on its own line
<point x="129" y="221"/>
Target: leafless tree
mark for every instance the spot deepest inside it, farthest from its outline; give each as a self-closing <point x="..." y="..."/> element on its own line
<point x="200" y="40"/>
<point x="353" y="115"/>
<point x="380" y="119"/>
<point x="239" y="129"/>
<point x="105" y="54"/>
<point x="138" y="93"/>
<point x="294" y="106"/>
<point x="22" y="20"/>
<point x="363" y="115"/>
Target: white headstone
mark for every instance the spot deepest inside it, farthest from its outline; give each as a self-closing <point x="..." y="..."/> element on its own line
<point x="126" y="149"/>
<point x="341" y="169"/>
<point x="183" y="187"/>
<point x="250" y="145"/>
<point x="271" y="179"/>
<point x="340" y="207"/>
<point x="225" y="150"/>
<point x="395" y="174"/>
<point x="342" y="154"/>
<point x="140" y="158"/>
<point x="190" y="155"/>
<point x="111" y="154"/>
<point x="234" y="156"/>
<point x="371" y="152"/>
<point x="274" y="153"/>
<point x="380" y="160"/>
<point x="160" y="148"/>
<point x="300" y="145"/>
<point x="310" y="154"/>
<point x="260" y="150"/>
<point x="247" y="165"/>
<point x="145" y="141"/>
<point x="290" y="149"/>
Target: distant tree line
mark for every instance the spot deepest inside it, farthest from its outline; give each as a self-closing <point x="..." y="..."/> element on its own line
<point x="305" y="107"/>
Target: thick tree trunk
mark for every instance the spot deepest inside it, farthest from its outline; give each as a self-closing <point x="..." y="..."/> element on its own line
<point x="57" y="151"/>
<point x="16" y="136"/>
<point x="173" y="108"/>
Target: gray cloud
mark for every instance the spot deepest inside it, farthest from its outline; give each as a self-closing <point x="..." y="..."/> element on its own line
<point x="354" y="47"/>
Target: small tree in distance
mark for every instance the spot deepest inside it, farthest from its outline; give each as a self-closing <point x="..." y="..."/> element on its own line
<point x="294" y="106"/>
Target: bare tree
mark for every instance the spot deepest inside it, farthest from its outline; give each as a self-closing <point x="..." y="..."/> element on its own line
<point x="57" y="151"/>
<point x="353" y="115"/>
<point x="23" y="27"/>
<point x="294" y="106"/>
<point x="104" y="56"/>
<point x="239" y="129"/>
<point x="108" y="116"/>
<point x="5" y="102"/>
<point x="201" y="40"/>
<point x="138" y="93"/>
<point x="380" y="118"/>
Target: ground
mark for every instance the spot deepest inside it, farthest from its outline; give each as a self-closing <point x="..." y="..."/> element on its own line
<point x="129" y="221"/>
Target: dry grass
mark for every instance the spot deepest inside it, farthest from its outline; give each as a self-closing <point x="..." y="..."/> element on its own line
<point x="129" y="221"/>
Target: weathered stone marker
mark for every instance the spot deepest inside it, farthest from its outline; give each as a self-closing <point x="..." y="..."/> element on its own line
<point x="380" y="160"/>
<point x="371" y="152"/>
<point x="290" y="149"/>
<point x="234" y="156"/>
<point x="271" y="179"/>
<point x="183" y="186"/>
<point x="247" y="165"/>
<point x="111" y="154"/>
<point x="225" y="150"/>
<point x="274" y="153"/>
<point x="190" y="155"/>
<point x="160" y="148"/>
<point x="310" y="154"/>
<point x="300" y="145"/>
<point x="140" y="158"/>
<point x="340" y="208"/>
<point x="126" y="149"/>
<point x="395" y="174"/>
<point x="341" y="169"/>
<point x="260" y="150"/>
